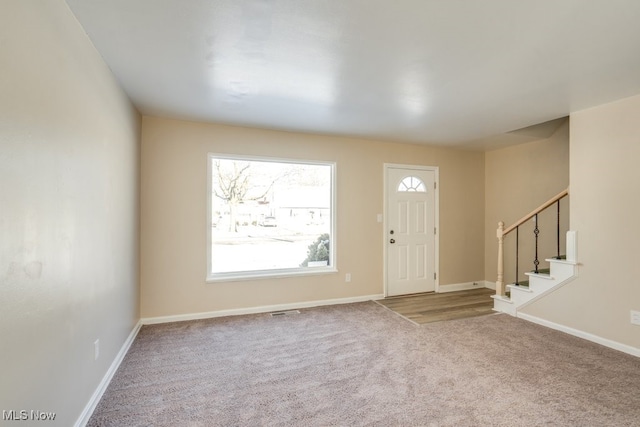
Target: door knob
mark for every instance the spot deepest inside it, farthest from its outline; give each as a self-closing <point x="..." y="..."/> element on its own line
<point x="392" y="241"/>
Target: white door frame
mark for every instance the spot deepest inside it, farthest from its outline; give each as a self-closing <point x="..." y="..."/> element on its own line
<point x="436" y="219"/>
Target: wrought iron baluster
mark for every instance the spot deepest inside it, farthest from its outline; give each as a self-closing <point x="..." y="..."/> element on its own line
<point x="558" y="232"/>
<point x="517" y="254"/>
<point x="536" y="231"/>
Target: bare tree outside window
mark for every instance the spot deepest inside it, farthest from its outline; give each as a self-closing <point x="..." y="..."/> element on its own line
<point x="233" y="185"/>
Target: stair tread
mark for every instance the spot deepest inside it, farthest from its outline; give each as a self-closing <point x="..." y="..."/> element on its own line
<point x="541" y="275"/>
<point x="520" y="288"/>
<point x="542" y="271"/>
<point x="502" y="298"/>
<point x="561" y="261"/>
<point x="522" y="283"/>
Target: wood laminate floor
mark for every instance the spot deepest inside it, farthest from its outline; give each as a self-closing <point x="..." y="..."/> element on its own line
<point x="432" y="307"/>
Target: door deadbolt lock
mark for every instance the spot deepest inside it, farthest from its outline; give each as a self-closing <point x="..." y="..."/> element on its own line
<point x="391" y="232"/>
<point x="392" y="241"/>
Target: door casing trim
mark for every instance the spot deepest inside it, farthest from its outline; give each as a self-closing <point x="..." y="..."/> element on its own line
<point x="436" y="219"/>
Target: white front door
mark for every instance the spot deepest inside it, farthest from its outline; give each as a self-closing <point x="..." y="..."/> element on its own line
<point x="410" y="230"/>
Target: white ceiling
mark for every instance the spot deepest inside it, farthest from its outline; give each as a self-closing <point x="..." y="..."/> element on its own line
<point x="423" y="71"/>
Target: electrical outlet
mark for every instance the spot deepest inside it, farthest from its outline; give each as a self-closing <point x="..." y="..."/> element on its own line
<point x="475" y="283"/>
<point x="635" y="317"/>
<point x="96" y="349"/>
<point x="347" y="277"/>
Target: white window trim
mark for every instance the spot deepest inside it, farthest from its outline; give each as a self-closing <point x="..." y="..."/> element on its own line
<point x="332" y="268"/>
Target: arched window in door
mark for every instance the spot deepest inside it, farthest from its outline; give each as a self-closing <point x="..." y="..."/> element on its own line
<point x="412" y="183"/>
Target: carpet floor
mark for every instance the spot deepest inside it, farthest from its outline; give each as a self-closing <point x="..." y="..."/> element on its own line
<point x="362" y="365"/>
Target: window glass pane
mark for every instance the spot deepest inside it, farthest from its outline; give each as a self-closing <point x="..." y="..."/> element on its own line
<point x="412" y="183"/>
<point x="270" y="215"/>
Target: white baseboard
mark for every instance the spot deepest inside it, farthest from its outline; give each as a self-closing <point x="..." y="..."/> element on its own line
<point x="102" y="387"/>
<point x="254" y="310"/>
<point x="581" y="334"/>
<point x="461" y="286"/>
<point x="489" y="285"/>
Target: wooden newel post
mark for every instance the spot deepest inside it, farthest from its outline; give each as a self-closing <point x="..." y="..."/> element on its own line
<point x="500" y="282"/>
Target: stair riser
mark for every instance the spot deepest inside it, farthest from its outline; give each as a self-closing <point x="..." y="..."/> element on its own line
<point x="520" y="297"/>
<point x="504" y="307"/>
<point x="561" y="270"/>
<point x="540" y="286"/>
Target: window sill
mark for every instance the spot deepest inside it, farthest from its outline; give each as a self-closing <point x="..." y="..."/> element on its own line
<point x="274" y="274"/>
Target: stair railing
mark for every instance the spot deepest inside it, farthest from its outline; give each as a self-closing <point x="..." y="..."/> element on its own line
<point x="502" y="232"/>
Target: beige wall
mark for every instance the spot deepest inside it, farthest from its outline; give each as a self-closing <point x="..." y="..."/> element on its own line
<point x="605" y="207"/>
<point x="518" y="179"/>
<point x="173" y="235"/>
<point x="68" y="212"/>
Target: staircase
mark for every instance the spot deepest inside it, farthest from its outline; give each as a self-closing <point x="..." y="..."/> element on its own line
<point x="561" y="272"/>
<point x="562" y="269"/>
